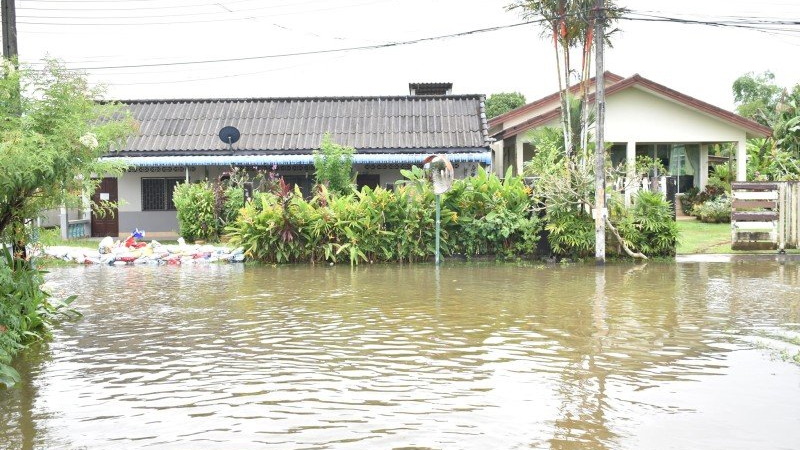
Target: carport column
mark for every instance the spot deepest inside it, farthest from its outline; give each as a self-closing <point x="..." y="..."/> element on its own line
<point x="703" y="175"/>
<point x="741" y="160"/>
<point x="520" y="156"/>
<point x="186" y="169"/>
<point x="630" y="172"/>
<point x="497" y="161"/>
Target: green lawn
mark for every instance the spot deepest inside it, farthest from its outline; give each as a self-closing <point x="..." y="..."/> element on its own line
<point x="698" y="237"/>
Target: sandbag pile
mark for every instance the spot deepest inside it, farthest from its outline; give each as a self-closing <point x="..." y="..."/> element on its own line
<point x="152" y="253"/>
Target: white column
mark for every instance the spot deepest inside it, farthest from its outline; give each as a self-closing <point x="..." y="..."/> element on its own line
<point x="703" y="170"/>
<point x="63" y="221"/>
<point x="497" y="160"/>
<point x="741" y="160"/>
<point x="630" y="172"/>
<point x="519" y="154"/>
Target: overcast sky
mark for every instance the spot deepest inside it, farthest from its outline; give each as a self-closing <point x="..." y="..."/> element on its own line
<point x="101" y="35"/>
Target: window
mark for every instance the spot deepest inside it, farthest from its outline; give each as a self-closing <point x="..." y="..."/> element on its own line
<point x="371" y="180"/>
<point x="157" y="193"/>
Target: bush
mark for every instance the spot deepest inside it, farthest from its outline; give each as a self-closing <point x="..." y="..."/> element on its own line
<point x="688" y="199"/>
<point x="25" y="311"/>
<point x="571" y="232"/>
<point x="491" y="216"/>
<point x="205" y="209"/>
<point x="717" y="210"/>
<point x="480" y="216"/>
<point x="648" y="225"/>
<point x="195" y="204"/>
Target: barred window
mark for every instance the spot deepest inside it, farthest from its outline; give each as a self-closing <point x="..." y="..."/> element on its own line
<point x="157" y="193"/>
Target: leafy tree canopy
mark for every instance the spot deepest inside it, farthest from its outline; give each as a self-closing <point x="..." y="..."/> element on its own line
<point x="51" y="136"/>
<point x="756" y="96"/>
<point x="759" y="98"/>
<point x="503" y="102"/>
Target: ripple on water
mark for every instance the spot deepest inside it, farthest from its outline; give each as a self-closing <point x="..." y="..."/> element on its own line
<point x="479" y="356"/>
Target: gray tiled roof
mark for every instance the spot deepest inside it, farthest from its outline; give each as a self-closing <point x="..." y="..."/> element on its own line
<point x="289" y="125"/>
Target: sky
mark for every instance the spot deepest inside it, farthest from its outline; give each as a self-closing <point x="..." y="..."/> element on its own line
<point x="148" y="48"/>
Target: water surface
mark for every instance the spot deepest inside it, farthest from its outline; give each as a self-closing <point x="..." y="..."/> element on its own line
<point x="487" y="356"/>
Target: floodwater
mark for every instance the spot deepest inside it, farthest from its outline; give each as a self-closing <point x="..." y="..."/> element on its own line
<point x="692" y="355"/>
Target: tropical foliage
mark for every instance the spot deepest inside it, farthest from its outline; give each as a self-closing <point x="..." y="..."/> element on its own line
<point x="716" y="210"/>
<point x="26" y="311"/>
<point x="759" y="98"/>
<point x="482" y="215"/>
<point x="563" y="191"/>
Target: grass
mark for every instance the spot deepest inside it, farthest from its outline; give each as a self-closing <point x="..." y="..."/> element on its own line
<point x="698" y="237"/>
<point x="695" y="237"/>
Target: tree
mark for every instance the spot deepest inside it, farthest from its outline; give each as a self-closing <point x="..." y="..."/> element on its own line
<point x="759" y="98"/>
<point x="51" y="138"/>
<point x="756" y="96"/>
<point x="570" y="24"/>
<point x="503" y="102"/>
<point x="52" y="133"/>
<point x="333" y="166"/>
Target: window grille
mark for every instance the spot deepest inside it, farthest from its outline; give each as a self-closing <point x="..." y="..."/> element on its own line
<point x="157" y="193"/>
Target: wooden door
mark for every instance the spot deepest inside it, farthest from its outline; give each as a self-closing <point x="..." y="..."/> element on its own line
<point x="108" y="223"/>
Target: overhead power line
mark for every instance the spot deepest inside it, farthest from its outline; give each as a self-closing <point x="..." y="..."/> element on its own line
<point x="310" y="52"/>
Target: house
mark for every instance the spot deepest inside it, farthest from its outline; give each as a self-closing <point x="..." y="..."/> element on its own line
<point x="642" y="118"/>
<point x="182" y="140"/>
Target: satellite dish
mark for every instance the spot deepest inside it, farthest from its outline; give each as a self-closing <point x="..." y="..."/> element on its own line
<point x="229" y="135"/>
<point x="442" y="173"/>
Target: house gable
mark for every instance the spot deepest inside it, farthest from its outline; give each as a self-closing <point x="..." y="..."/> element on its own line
<point x="656" y="109"/>
<point x="639" y="115"/>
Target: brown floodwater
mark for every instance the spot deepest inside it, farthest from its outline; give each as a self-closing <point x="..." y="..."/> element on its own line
<point x="687" y="355"/>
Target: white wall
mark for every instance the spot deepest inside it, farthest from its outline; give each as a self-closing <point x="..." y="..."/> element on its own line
<point x="640" y="116"/>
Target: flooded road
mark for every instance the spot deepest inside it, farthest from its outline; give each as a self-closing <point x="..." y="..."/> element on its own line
<point x="472" y="356"/>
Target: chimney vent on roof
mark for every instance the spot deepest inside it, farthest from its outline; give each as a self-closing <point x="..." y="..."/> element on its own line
<point x="430" y="88"/>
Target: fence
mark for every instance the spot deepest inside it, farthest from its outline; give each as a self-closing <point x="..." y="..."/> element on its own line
<point x="765" y="215"/>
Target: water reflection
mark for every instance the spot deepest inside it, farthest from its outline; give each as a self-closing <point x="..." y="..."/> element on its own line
<point x="462" y="356"/>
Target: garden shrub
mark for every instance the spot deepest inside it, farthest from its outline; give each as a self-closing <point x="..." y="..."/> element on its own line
<point x="480" y="216"/>
<point x="204" y="209"/>
<point x="491" y="216"/>
<point x="571" y="232"/>
<point x="195" y="204"/>
<point x="688" y="199"/>
<point x="717" y="210"/>
<point x="647" y="226"/>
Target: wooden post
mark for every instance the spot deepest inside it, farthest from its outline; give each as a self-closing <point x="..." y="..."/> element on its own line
<point x="9" y="29"/>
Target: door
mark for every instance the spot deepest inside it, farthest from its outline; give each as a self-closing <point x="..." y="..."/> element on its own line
<point x="106" y="224"/>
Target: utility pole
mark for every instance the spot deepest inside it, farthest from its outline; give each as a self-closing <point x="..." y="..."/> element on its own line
<point x="9" y="14"/>
<point x="600" y="210"/>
